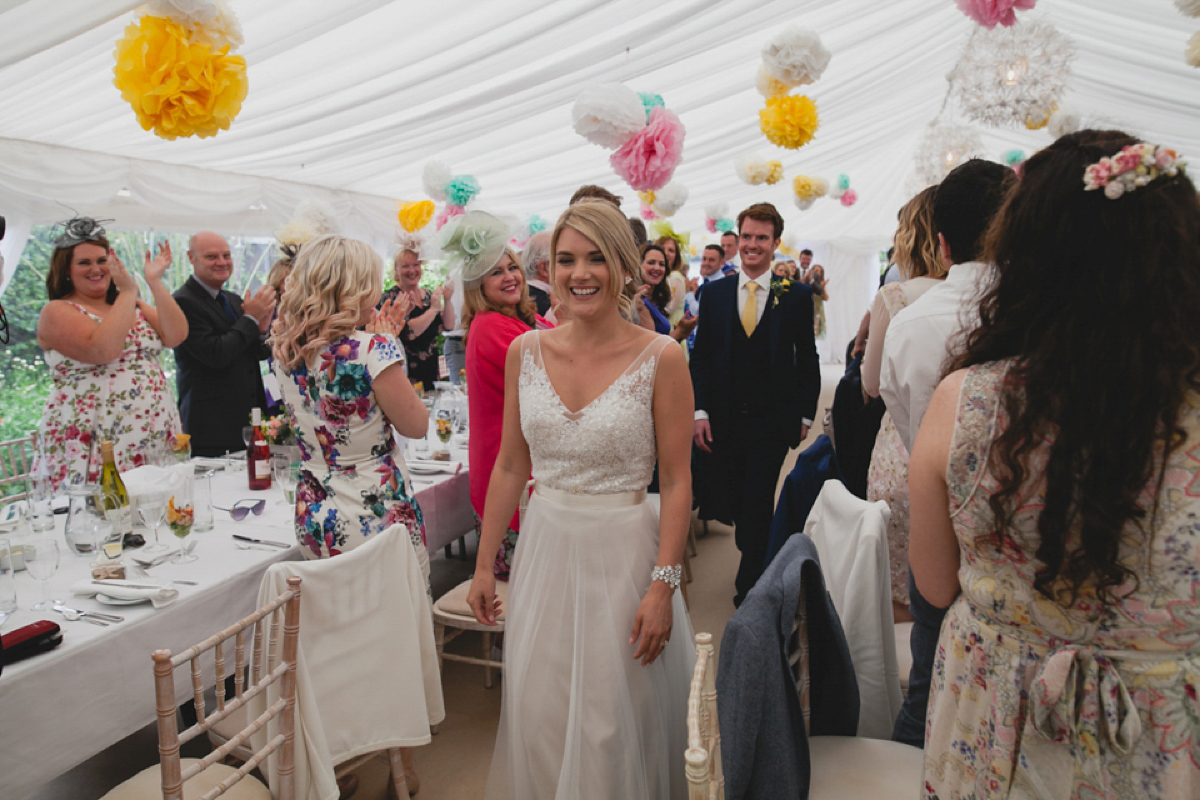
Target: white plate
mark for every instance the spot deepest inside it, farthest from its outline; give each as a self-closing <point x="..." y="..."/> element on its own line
<point x="120" y="601"/>
<point x="421" y="469"/>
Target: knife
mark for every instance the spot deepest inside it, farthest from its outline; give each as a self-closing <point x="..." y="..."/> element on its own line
<point x="126" y="584"/>
<point x="252" y="540"/>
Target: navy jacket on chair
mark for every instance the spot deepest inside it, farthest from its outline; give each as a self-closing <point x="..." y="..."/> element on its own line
<point x="764" y="748"/>
<point x="817" y="464"/>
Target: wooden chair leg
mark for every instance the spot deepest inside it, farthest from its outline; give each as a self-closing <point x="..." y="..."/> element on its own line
<point x="400" y="785"/>
<point x="487" y="656"/>
<point x="691" y="540"/>
<point x="450" y="550"/>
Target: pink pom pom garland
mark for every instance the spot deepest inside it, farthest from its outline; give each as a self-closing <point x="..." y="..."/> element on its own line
<point x="849" y="198"/>
<point x="990" y="13"/>
<point x="448" y="213"/>
<point x="649" y="158"/>
<point x="648" y="212"/>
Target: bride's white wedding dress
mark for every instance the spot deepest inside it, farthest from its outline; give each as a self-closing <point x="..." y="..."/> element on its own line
<point x="580" y="717"/>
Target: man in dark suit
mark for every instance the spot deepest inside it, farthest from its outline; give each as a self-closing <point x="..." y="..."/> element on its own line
<point x="757" y="380"/>
<point x="218" y="376"/>
<point x="536" y="260"/>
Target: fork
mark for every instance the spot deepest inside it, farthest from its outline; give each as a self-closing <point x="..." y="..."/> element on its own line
<point x="248" y="546"/>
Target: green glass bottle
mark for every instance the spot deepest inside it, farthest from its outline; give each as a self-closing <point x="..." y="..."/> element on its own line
<point x="112" y="488"/>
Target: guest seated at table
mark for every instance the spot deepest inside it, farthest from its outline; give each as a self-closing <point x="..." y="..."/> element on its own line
<point x="343" y="386"/>
<point x="497" y="309"/>
<point x="102" y="345"/>
<point x="1055" y="491"/>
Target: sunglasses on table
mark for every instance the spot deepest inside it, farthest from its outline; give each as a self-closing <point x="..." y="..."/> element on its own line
<point x="241" y="508"/>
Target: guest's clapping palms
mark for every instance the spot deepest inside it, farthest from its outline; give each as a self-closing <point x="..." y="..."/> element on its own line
<point x="390" y="317"/>
<point x="157" y="266"/>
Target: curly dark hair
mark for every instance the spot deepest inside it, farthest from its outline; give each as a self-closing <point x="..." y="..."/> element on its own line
<point x="659" y="294"/>
<point x="1096" y="303"/>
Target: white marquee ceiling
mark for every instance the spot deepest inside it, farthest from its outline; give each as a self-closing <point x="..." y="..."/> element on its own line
<point x="355" y="96"/>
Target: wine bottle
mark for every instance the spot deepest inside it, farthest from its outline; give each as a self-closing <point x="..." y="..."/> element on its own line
<point x="112" y="489"/>
<point x="258" y="457"/>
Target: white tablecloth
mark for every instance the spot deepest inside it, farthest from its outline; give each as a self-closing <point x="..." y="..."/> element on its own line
<point x="59" y="708"/>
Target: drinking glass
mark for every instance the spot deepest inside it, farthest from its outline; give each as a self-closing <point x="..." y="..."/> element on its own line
<point x="287" y="473"/>
<point x="8" y="583"/>
<point x="109" y="541"/>
<point x="41" y="560"/>
<point x="153" y="511"/>
<point x="181" y="513"/>
<point x="202" y="500"/>
<point x="247" y="434"/>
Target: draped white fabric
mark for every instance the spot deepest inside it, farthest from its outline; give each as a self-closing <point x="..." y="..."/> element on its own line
<point x="354" y="97"/>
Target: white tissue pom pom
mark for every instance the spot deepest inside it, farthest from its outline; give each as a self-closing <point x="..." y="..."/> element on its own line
<point x="795" y="56"/>
<point x="717" y="211"/>
<point x="1065" y="120"/>
<point x="608" y="114"/>
<point x="1193" y="50"/>
<point x="767" y="84"/>
<point x="319" y="216"/>
<point x="1190" y="8"/>
<point x="435" y="176"/>
<point x="209" y="19"/>
<point x="752" y="169"/>
<point x="837" y="192"/>
<point x="804" y="203"/>
<point x="670" y="198"/>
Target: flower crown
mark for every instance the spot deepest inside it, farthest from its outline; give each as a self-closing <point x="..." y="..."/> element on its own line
<point x="1135" y="166"/>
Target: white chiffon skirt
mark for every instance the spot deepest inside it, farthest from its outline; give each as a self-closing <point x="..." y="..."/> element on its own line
<point x="580" y="718"/>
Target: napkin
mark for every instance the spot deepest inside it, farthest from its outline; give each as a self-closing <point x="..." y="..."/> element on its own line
<point x="149" y="480"/>
<point x="429" y="465"/>
<point x="160" y="597"/>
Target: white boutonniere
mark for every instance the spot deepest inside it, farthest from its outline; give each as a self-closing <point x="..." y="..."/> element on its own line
<point x="778" y="289"/>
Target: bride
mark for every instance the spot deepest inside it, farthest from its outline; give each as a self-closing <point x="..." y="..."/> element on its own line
<point x="598" y="649"/>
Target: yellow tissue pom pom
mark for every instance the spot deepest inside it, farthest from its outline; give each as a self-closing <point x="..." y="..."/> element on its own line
<point x="648" y="197"/>
<point x="177" y="86"/>
<point x="806" y="187"/>
<point x="1039" y="119"/>
<point x="774" y="172"/>
<point x="414" y="216"/>
<point x="789" y="120"/>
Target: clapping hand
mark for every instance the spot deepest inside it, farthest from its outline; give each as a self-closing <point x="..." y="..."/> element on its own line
<point x="389" y="318"/>
<point x="119" y="274"/>
<point x="260" y="305"/>
<point x="156" y="267"/>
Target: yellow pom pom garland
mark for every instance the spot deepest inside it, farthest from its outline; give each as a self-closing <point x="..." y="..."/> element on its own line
<point x="648" y="197"/>
<point x="1038" y="120"/>
<point x="807" y="187"/>
<point x="774" y="172"/>
<point x="415" y="216"/>
<point x="789" y="120"/>
<point x="177" y="86"/>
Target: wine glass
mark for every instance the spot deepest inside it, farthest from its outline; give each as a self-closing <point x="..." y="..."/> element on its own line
<point x="41" y="560"/>
<point x="8" y="585"/>
<point x="181" y="513"/>
<point x="247" y="435"/>
<point x="153" y="511"/>
<point x="287" y="474"/>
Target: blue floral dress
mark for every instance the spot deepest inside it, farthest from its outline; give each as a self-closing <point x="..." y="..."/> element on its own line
<point x="351" y="486"/>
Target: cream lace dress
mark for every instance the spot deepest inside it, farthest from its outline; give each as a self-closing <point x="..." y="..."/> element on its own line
<point x="580" y="718"/>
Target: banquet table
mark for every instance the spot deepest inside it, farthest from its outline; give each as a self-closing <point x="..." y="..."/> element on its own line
<point x="64" y="706"/>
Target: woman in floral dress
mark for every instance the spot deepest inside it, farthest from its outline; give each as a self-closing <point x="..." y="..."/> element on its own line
<point x="102" y="345"/>
<point x="1055" y="483"/>
<point x="345" y="388"/>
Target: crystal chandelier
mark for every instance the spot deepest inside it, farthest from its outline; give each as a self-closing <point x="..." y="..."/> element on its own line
<point x="945" y="146"/>
<point x="1007" y="77"/>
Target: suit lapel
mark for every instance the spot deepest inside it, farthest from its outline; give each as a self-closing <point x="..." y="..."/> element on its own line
<point x="776" y="321"/>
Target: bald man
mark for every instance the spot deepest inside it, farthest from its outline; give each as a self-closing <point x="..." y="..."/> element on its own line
<point x="218" y="375"/>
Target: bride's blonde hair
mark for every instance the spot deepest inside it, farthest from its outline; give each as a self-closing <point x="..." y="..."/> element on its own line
<point x="602" y="224"/>
<point x="334" y="279"/>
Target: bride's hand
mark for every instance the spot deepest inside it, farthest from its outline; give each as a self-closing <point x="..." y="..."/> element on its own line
<point x="481" y="597"/>
<point x="652" y="625"/>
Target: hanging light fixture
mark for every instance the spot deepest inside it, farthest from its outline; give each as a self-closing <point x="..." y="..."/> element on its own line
<point x="1009" y="76"/>
<point x="945" y="146"/>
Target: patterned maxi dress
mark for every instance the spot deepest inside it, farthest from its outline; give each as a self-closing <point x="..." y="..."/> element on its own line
<point x="351" y="486"/>
<point x="1033" y="699"/>
<point x="126" y="400"/>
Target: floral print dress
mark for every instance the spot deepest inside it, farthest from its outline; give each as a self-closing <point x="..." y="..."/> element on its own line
<point x="1033" y="699"/>
<point x="126" y="401"/>
<point x="351" y="486"/>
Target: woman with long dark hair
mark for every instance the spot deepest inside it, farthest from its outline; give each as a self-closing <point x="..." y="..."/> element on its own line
<point x="1055" y="491"/>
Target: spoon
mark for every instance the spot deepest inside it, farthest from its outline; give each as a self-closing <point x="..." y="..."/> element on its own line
<point x="74" y="616"/>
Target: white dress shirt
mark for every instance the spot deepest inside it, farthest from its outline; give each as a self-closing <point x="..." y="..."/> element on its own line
<point x="921" y="338"/>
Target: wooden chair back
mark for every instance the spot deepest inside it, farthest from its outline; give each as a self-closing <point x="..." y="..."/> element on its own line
<point x="706" y="781"/>
<point x="16" y="459"/>
<point x="273" y="659"/>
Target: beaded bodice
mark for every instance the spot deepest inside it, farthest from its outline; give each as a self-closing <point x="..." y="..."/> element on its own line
<point x="604" y="448"/>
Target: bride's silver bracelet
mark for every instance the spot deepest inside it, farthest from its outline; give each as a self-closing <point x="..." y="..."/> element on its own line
<point x="671" y="576"/>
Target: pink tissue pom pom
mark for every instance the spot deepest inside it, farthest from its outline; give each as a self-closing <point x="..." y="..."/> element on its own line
<point x="648" y="212"/>
<point x="849" y="197"/>
<point x="710" y="224"/>
<point x="448" y="213"/>
<point x="648" y="160"/>
<point x="989" y="13"/>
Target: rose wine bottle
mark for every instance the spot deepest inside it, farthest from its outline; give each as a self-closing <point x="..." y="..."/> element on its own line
<point x="258" y="457"/>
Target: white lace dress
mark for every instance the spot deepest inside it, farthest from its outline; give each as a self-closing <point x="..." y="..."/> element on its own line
<point x="580" y="718"/>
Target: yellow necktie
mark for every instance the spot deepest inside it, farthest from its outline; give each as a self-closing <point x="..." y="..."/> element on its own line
<point x="750" y="312"/>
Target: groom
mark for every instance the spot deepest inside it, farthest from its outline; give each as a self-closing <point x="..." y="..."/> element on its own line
<point x="756" y="379"/>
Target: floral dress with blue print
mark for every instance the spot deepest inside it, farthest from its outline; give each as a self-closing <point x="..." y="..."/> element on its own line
<point x="351" y="486"/>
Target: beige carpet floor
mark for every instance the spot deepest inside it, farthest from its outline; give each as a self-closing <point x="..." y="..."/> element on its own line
<point x="455" y="765"/>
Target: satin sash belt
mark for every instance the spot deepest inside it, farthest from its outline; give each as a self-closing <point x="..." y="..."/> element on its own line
<point x="591" y="501"/>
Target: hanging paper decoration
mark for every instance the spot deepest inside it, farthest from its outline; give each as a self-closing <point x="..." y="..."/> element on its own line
<point x="1039" y="119"/>
<point x="752" y="168"/>
<point x="849" y="198"/>
<point x="456" y="190"/>
<point x="434" y="178"/>
<point x="943" y="148"/>
<point x="650" y="102"/>
<point x="807" y="188"/>
<point x="1010" y="76"/>
<point x="1064" y="121"/>
<point x="717" y="219"/>
<point x="524" y="231"/>
<point x="789" y="120"/>
<point x="312" y="218"/>
<point x="647" y="137"/>
<point x="461" y="189"/>
<point x="768" y="85"/>
<point x="840" y="186"/>
<point x="663" y="228"/>
<point x="647" y="198"/>
<point x="1189" y="8"/>
<point x="175" y="69"/>
<point x="1014" y="158"/>
<point x="416" y="215"/>
<point x="670" y="198"/>
<point x="774" y="172"/>
<point x="608" y="114"/>
<point x="648" y="213"/>
<point x="990" y="13"/>
<point x="795" y="56"/>
<point x="649" y="158"/>
<point x="1192" y="54"/>
<point x="448" y="213"/>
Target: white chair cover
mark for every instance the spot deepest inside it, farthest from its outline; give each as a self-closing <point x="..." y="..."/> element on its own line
<point x="367" y="673"/>
<point x="851" y="539"/>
